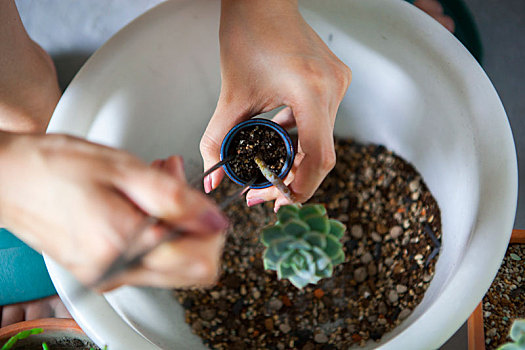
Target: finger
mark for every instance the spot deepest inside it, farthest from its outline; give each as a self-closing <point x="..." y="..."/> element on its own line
<point x="174" y="165"/>
<point x="285" y="118"/>
<point x="170" y="200"/>
<point x="446" y="22"/>
<point x="226" y="116"/>
<point x="157" y="163"/>
<point x="38" y="309"/>
<point x="315" y="129"/>
<point x="182" y="263"/>
<point x="432" y="7"/>
<point x="12" y="314"/>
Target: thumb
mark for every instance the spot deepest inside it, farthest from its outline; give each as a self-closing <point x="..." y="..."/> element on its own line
<point x="226" y="116"/>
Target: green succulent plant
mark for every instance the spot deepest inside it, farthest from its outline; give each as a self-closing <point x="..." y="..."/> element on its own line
<point x="517" y="334"/>
<point x="304" y="245"/>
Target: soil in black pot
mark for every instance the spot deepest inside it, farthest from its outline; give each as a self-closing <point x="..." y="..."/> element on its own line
<point x="60" y="343"/>
<point x="392" y="221"/>
<point x="255" y="141"/>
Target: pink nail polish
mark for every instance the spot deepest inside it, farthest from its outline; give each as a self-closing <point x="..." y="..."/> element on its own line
<point x="254" y="201"/>
<point x="207" y="184"/>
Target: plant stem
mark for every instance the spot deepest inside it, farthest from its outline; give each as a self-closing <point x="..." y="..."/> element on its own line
<point x="274" y="179"/>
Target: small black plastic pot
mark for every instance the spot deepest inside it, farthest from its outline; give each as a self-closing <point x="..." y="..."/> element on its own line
<point x="264" y="123"/>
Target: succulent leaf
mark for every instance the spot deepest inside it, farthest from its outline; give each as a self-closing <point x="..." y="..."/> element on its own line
<point x="337" y="228"/>
<point x="303" y="246"/>
<point x="333" y="246"/>
<point x="315" y="239"/>
<point x="518" y="330"/>
<point x="271" y="233"/>
<point x="295" y="227"/>
<point x="318" y="223"/>
<point x="288" y="212"/>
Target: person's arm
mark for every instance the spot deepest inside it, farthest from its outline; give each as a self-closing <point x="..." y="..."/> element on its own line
<point x="29" y="89"/>
<point x="79" y="201"/>
<point x="271" y="57"/>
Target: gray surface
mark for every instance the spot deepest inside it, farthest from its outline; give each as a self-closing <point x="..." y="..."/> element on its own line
<point x="71" y="30"/>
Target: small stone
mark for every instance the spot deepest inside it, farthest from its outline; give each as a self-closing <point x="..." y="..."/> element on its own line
<point x="413" y="186"/>
<point x="207" y="314"/>
<point x="382" y="229"/>
<point x="372" y="269"/>
<point x="404" y="314"/>
<point x="366" y="258"/>
<point x="320" y="338"/>
<point x="256" y="294"/>
<point x="268" y="324"/>
<point x="400" y="289"/>
<point x="372" y="318"/>
<point x="427" y="277"/>
<point x="286" y="300"/>
<point x="318" y="293"/>
<point x="243" y="290"/>
<point x="392" y="296"/>
<point x="515" y="257"/>
<point x="356" y="231"/>
<point x="396" y="232"/>
<point x="360" y="274"/>
<point x="491" y="332"/>
<point x="309" y="346"/>
<point x="382" y="308"/>
<point x="215" y="294"/>
<point x="280" y="346"/>
<point x="275" y="304"/>
<point x="285" y="328"/>
<point x="376" y="237"/>
<point x="389" y="261"/>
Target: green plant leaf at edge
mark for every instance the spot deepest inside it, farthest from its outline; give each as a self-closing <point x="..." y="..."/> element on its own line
<point x="21" y="335"/>
<point x="517" y="330"/>
<point x="271" y="233"/>
<point x="312" y="209"/>
<point x="510" y="346"/>
<point x="287" y="212"/>
<point x="337" y="228"/>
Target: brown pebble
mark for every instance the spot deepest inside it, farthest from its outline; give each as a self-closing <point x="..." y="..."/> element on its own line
<point x="284" y="328"/>
<point x="207" y="314"/>
<point x="382" y="229"/>
<point x="318" y="293"/>
<point x="286" y="300"/>
<point x="268" y="324"/>
<point x="308" y="346"/>
<point x="404" y="314"/>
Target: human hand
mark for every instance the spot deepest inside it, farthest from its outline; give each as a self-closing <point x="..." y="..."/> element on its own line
<point x="271" y="57"/>
<point x="79" y="202"/>
<point x="435" y="9"/>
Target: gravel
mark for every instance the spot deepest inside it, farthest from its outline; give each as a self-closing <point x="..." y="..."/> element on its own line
<point x="388" y="210"/>
<point x="505" y="300"/>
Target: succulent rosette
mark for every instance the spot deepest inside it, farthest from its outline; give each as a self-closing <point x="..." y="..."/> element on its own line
<point x="304" y="245"/>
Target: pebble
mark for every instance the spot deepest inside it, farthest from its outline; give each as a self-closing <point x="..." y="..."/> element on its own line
<point x="256" y="294"/>
<point x="360" y="274"/>
<point x="372" y="269"/>
<point x="366" y="258"/>
<point x="389" y="261"/>
<point x="396" y="232"/>
<point x="320" y="338"/>
<point x="207" y="314"/>
<point x="268" y="324"/>
<point x="284" y="328"/>
<point x="413" y="185"/>
<point x="400" y="289"/>
<point x="392" y="296"/>
<point x="356" y="231"/>
<point x="275" y="304"/>
<point x="376" y="237"/>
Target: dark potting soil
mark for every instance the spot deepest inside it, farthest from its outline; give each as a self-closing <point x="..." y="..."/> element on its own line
<point x="505" y="300"/>
<point x="390" y="215"/>
<point x="255" y="141"/>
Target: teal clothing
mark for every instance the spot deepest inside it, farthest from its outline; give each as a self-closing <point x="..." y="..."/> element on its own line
<point x="23" y="274"/>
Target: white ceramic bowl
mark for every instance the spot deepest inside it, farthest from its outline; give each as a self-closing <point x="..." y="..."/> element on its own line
<point x="153" y="87"/>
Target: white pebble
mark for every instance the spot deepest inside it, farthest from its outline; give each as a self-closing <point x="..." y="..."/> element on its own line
<point x="396" y="232"/>
<point x="356" y="231"/>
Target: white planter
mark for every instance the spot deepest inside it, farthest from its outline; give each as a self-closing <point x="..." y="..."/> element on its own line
<point x="153" y="87"/>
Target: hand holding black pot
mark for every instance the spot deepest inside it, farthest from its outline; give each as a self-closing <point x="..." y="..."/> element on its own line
<point x="271" y="57"/>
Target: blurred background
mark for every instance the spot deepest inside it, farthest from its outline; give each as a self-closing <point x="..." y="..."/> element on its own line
<point x="72" y="30"/>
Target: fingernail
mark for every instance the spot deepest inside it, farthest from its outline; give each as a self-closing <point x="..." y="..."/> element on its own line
<point x="214" y="220"/>
<point x="207" y="184"/>
<point x="254" y="201"/>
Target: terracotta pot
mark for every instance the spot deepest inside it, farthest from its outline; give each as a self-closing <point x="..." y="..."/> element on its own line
<point x="476" y="332"/>
<point x="64" y="330"/>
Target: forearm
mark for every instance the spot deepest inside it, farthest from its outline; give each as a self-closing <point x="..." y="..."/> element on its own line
<point x="28" y="85"/>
